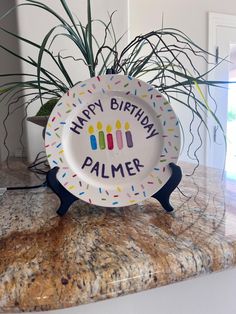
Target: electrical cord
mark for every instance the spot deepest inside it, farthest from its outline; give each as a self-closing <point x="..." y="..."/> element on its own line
<point x="39" y="166"/>
<point x="11" y="188"/>
<point x="27" y="187"/>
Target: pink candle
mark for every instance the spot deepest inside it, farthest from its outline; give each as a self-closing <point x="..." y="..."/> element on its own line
<point x="110" y="144"/>
<point x="119" y="138"/>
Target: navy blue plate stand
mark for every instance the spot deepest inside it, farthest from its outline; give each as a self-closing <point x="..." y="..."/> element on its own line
<point x="67" y="199"/>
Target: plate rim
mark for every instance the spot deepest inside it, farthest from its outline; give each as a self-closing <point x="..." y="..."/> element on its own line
<point x="79" y="88"/>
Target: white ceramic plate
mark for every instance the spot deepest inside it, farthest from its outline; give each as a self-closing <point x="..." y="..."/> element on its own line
<point x="112" y="137"/>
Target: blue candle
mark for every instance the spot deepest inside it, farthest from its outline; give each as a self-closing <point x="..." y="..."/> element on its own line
<point x="93" y="140"/>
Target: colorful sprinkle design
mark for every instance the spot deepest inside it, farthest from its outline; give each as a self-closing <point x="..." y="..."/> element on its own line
<point x="114" y="136"/>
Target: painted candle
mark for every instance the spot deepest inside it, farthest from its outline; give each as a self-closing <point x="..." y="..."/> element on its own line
<point x="101" y="136"/>
<point x="119" y="138"/>
<point x="93" y="140"/>
<point x="110" y="144"/>
<point x="129" y="139"/>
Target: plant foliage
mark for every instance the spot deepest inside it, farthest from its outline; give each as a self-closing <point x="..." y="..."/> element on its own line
<point x="165" y="58"/>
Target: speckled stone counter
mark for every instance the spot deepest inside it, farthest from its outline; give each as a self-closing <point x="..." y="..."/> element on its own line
<point x="94" y="253"/>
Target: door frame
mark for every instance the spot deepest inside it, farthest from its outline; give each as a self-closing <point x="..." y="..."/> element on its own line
<point x="214" y="20"/>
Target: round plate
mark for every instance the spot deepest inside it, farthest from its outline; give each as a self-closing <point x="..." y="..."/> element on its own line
<point x="112" y="137"/>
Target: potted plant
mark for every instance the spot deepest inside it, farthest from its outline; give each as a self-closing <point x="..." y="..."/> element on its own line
<point x="166" y="58"/>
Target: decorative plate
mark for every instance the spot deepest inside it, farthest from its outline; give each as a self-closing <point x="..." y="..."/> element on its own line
<point x="112" y="138"/>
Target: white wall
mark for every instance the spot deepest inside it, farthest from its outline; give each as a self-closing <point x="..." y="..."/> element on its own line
<point x="187" y="15"/>
<point x="9" y="64"/>
<point x="34" y="25"/>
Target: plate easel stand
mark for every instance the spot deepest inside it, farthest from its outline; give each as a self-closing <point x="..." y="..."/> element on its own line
<point x="67" y="199"/>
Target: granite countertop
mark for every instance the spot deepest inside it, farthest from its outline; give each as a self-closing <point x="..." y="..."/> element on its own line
<point x="94" y="253"/>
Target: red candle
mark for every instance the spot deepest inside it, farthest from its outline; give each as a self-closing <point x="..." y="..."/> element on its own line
<point x="110" y="144"/>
